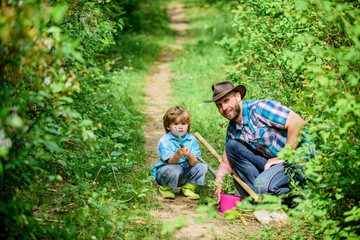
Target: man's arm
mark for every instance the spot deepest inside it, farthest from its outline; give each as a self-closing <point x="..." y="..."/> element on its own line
<point x="294" y="124"/>
<point x="225" y="167"/>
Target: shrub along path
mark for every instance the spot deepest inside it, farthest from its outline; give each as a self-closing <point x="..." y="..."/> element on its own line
<point x="179" y="213"/>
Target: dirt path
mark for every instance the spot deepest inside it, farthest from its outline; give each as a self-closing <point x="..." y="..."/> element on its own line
<point x="158" y="99"/>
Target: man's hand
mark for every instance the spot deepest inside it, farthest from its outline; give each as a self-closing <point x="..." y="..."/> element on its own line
<point x="272" y="161"/>
<point x="225" y="167"/>
<point x="217" y="193"/>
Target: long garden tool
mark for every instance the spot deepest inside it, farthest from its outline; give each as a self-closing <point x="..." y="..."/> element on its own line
<point x="236" y="177"/>
<point x="180" y="139"/>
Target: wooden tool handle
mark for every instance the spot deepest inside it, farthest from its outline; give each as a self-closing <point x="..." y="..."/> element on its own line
<point x="217" y="156"/>
<point x="245" y="187"/>
<point x="208" y="147"/>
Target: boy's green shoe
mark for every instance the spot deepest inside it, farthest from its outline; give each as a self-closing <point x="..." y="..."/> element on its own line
<point x="188" y="191"/>
<point x="166" y="192"/>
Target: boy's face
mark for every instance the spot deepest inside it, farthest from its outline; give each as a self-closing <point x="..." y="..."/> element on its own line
<point x="180" y="125"/>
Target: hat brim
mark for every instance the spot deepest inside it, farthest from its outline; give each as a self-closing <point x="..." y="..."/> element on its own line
<point x="238" y="88"/>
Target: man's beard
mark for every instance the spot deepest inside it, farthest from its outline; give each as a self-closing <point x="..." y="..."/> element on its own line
<point x="236" y="111"/>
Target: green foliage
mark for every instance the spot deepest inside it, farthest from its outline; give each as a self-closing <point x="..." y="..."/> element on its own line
<point x="70" y="137"/>
<point x="145" y="16"/>
<point x="72" y="162"/>
<point x="305" y="54"/>
<point x="35" y="87"/>
<point x="228" y="185"/>
<point x="210" y="211"/>
<point x="176" y="224"/>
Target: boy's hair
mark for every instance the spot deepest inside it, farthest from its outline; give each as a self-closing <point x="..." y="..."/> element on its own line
<point x="173" y="113"/>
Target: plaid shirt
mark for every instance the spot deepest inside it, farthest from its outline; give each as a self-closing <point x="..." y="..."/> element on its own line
<point x="262" y="126"/>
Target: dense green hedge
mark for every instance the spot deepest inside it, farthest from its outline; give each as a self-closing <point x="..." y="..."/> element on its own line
<point x="306" y="55"/>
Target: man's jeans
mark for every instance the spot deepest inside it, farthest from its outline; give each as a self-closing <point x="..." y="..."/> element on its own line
<point x="249" y="165"/>
<point x="175" y="175"/>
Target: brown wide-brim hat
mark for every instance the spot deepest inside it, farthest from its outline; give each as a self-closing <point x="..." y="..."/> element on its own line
<point x="220" y="89"/>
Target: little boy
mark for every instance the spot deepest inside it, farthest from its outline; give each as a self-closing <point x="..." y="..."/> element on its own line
<point x="178" y="165"/>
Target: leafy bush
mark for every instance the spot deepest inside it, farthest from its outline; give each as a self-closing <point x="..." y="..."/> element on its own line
<point x="70" y="130"/>
<point x="305" y="54"/>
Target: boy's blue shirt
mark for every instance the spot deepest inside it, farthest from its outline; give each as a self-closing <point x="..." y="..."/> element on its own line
<point x="169" y="144"/>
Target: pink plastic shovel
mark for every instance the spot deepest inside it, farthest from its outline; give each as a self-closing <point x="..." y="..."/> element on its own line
<point x="228" y="202"/>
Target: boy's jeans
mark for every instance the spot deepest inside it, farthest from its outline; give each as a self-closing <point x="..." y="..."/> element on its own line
<point x="249" y="165"/>
<point x="175" y="175"/>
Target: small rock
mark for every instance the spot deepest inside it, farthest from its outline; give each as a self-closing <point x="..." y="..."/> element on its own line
<point x="265" y="217"/>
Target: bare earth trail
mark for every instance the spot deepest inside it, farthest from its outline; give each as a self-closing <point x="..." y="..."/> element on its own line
<point x="158" y="100"/>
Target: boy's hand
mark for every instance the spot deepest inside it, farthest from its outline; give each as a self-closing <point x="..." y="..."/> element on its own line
<point x="184" y="152"/>
<point x="187" y="152"/>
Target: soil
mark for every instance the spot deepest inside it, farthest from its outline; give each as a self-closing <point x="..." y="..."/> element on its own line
<point x="158" y="99"/>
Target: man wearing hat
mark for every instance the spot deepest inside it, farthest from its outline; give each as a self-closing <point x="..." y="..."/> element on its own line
<point x="257" y="131"/>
